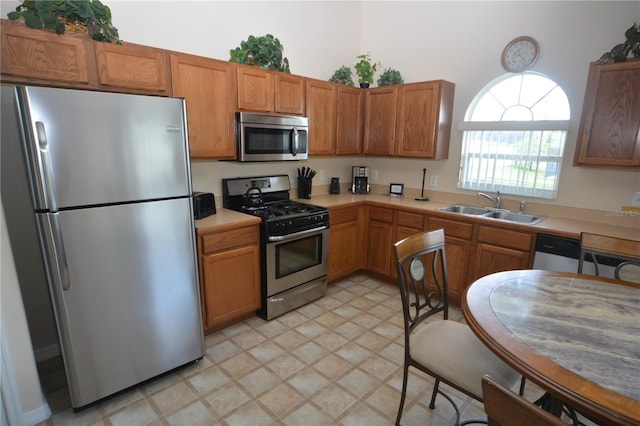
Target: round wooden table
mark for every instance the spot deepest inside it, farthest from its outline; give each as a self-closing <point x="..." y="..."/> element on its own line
<point x="576" y="336"/>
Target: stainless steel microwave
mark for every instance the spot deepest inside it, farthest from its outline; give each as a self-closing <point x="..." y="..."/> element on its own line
<point x="272" y="137"/>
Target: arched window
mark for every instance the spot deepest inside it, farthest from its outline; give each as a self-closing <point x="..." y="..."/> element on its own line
<point x="514" y="136"/>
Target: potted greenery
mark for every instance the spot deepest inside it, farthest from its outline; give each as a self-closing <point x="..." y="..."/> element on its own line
<point x="630" y="48"/>
<point x="390" y="77"/>
<point x="55" y="15"/>
<point x="365" y="68"/>
<point x="342" y="76"/>
<point x="265" y="52"/>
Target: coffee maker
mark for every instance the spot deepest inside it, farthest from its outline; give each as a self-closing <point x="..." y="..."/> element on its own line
<point x="360" y="180"/>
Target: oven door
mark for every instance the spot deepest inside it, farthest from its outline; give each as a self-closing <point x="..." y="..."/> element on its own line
<point x="266" y="142"/>
<point x="296" y="259"/>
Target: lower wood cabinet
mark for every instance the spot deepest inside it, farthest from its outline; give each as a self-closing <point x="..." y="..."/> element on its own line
<point x="406" y="224"/>
<point x="458" y="250"/>
<point x="346" y="247"/>
<point x="499" y="249"/>
<point x="229" y="275"/>
<point x="380" y="240"/>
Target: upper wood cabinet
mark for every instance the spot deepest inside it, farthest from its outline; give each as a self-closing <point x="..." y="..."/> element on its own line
<point x="255" y="88"/>
<point x="423" y="123"/>
<point x="289" y="93"/>
<point x="209" y="88"/>
<point x="270" y="91"/>
<point x="321" y="110"/>
<point x="132" y="66"/>
<point x="349" y="120"/>
<point x="32" y="56"/>
<point x="380" y="120"/>
<point x="609" y="133"/>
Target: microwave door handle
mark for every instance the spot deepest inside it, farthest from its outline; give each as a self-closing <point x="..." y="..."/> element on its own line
<point x="294" y="141"/>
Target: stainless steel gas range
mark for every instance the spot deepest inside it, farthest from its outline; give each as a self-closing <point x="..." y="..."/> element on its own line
<point x="294" y="241"/>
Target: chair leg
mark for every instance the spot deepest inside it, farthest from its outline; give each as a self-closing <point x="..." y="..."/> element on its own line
<point x="432" y="404"/>
<point x="405" y="377"/>
<point x="523" y="381"/>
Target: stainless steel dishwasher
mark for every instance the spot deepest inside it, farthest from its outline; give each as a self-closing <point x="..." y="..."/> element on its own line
<point x="561" y="254"/>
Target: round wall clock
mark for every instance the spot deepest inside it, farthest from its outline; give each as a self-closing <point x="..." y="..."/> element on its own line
<point x="520" y="54"/>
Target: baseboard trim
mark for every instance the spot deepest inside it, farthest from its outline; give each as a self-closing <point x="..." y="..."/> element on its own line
<point x="36" y="416"/>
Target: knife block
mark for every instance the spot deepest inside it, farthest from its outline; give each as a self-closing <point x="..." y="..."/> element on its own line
<point x="304" y="188"/>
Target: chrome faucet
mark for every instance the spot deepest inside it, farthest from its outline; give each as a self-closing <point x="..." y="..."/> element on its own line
<point x="497" y="203"/>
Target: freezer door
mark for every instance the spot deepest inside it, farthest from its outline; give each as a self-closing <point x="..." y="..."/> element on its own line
<point x="88" y="148"/>
<point x="126" y="294"/>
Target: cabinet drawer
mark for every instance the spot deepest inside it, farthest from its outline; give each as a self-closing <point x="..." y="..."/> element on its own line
<point x="228" y="239"/>
<point x="380" y="214"/>
<point x="505" y="238"/>
<point x="409" y="220"/>
<point x="452" y="228"/>
<point x="337" y="217"/>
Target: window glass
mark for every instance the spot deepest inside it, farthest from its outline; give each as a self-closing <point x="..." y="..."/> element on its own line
<point x="514" y="137"/>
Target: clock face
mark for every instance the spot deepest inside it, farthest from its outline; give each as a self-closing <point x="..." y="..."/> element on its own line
<point x="520" y="54"/>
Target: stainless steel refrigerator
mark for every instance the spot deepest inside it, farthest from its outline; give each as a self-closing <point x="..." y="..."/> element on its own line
<point x="102" y="182"/>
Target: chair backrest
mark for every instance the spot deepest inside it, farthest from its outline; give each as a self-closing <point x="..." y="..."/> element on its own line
<point x="592" y="245"/>
<point x="506" y="408"/>
<point x="422" y="277"/>
<point x="628" y="271"/>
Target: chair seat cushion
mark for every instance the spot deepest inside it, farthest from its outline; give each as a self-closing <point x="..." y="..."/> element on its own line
<point x="452" y="351"/>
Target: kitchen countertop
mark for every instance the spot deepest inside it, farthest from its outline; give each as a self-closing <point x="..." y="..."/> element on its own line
<point x="224" y="218"/>
<point x="564" y="226"/>
<point x="568" y="227"/>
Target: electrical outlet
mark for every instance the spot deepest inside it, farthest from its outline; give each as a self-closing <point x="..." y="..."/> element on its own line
<point x="433" y="180"/>
<point x="374" y="174"/>
<point x="322" y="175"/>
<point x="636" y="200"/>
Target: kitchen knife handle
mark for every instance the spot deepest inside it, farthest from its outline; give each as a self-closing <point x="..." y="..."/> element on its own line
<point x="46" y="167"/>
<point x="294" y="141"/>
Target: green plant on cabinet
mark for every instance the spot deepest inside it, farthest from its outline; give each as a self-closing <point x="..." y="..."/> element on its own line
<point x="390" y="77"/>
<point x="343" y="75"/>
<point x="365" y="68"/>
<point x="53" y="15"/>
<point x="264" y="52"/>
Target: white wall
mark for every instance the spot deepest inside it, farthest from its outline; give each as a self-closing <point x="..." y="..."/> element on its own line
<point x="22" y="395"/>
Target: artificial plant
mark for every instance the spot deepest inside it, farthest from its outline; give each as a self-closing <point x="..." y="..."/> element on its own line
<point x="390" y="77"/>
<point x="365" y="68"/>
<point x="53" y="14"/>
<point x="264" y="51"/>
<point x="342" y="76"/>
<point x="631" y="47"/>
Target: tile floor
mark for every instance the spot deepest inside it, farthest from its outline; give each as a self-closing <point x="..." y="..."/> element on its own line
<point x="335" y="361"/>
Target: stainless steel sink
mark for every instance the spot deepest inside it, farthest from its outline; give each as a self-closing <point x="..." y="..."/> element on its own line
<point x="514" y="217"/>
<point x="462" y="209"/>
<point x="505" y="215"/>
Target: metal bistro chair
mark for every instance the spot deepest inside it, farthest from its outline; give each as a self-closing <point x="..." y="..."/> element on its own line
<point x="628" y="251"/>
<point x="505" y="408"/>
<point x="446" y="350"/>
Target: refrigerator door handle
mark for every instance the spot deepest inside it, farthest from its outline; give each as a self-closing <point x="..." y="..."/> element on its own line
<point x="47" y="167"/>
<point x="55" y="248"/>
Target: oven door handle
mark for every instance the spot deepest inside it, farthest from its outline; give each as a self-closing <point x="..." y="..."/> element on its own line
<point x="296" y="234"/>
